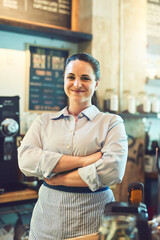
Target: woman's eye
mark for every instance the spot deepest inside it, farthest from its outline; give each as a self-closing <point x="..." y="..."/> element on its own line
<point x="85" y="78"/>
<point x="71" y="77"/>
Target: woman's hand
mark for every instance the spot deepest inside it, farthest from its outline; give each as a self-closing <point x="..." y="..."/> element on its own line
<point x="91" y="158"/>
<point x="55" y="180"/>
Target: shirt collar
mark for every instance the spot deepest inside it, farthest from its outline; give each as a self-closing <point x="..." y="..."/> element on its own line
<point x="91" y="112"/>
<point x="62" y="113"/>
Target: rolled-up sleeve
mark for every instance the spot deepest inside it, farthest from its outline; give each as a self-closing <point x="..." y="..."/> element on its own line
<point x="33" y="160"/>
<point x="110" y="168"/>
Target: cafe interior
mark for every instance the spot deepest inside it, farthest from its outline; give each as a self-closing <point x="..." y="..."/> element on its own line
<point x="124" y="36"/>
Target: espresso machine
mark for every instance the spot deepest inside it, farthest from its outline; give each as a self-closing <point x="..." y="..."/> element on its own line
<point x="126" y="220"/>
<point x="9" y="130"/>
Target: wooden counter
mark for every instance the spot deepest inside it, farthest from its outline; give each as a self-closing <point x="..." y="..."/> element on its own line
<point x="16" y="196"/>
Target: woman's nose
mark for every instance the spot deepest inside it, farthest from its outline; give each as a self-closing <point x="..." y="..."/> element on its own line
<point x="77" y="83"/>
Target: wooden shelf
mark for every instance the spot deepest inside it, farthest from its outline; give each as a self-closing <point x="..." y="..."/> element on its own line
<point x="139" y="115"/>
<point x="151" y="175"/>
<point x="16" y="196"/>
<point x="43" y="31"/>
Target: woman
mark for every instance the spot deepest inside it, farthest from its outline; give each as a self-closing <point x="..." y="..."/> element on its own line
<point x="78" y="152"/>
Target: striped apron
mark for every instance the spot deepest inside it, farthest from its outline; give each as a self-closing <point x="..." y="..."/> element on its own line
<point x="59" y="215"/>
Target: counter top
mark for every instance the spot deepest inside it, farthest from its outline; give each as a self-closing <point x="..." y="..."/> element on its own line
<point x="21" y="195"/>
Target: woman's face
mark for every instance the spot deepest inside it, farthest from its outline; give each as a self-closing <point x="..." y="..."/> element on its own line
<point x="79" y="82"/>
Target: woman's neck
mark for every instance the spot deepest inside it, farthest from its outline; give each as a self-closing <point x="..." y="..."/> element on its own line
<point x="75" y="109"/>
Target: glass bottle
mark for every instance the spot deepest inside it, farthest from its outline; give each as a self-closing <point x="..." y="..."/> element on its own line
<point x="129" y="102"/>
<point x="155" y="103"/>
<point x="143" y="103"/>
<point x="111" y="101"/>
<point x="118" y="227"/>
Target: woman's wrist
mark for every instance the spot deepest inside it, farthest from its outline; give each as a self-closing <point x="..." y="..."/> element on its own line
<point x="71" y="179"/>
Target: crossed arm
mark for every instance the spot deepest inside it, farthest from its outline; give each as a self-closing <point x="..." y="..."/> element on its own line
<point x="70" y="163"/>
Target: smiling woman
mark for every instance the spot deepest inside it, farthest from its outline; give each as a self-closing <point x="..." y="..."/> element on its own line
<point x="78" y="152"/>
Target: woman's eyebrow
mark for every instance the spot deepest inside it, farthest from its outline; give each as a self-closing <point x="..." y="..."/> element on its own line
<point x="70" y="73"/>
<point x="85" y="75"/>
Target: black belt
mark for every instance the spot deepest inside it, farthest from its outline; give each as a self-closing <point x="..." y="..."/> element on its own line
<point x="73" y="189"/>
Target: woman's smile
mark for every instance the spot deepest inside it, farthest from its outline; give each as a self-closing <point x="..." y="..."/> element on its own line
<point x="77" y="91"/>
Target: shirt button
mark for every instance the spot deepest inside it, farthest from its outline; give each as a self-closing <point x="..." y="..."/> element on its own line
<point x="71" y="131"/>
<point x="81" y="115"/>
<point x="68" y="147"/>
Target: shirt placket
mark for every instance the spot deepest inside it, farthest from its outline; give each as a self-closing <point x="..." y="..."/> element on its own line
<point x="71" y="132"/>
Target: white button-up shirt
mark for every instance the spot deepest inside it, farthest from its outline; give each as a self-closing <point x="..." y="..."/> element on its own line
<point x="53" y="134"/>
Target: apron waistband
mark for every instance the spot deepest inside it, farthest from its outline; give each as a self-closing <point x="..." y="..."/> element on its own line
<point x="73" y="189"/>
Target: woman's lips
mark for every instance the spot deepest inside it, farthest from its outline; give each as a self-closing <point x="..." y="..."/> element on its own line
<point x="77" y="91"/>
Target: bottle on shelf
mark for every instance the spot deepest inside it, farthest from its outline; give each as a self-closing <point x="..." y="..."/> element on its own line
<point x="128" y="102"/>
<point x="150" y="160"/>
<point x="143" y="103"/>
<point x="110" y="101"/>
<point x="155" y="103"/>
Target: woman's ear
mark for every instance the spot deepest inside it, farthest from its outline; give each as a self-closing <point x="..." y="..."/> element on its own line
<point x="96" y="86"/>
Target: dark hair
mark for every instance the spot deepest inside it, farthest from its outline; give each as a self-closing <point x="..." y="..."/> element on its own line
<point x="95" y="65"/>
<point x="86" y="58"/>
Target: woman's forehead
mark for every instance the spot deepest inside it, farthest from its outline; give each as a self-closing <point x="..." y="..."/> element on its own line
<point x="79" y="65"/>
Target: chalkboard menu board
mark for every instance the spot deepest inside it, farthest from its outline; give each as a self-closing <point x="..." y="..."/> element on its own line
<point x="46" y="84"/>
<point x="51" y="12"/>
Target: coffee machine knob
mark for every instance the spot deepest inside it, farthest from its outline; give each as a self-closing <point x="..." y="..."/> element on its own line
<point x="9" y="127"/>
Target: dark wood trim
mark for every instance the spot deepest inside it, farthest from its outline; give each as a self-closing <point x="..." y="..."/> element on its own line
<point x="43" y="31"/>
